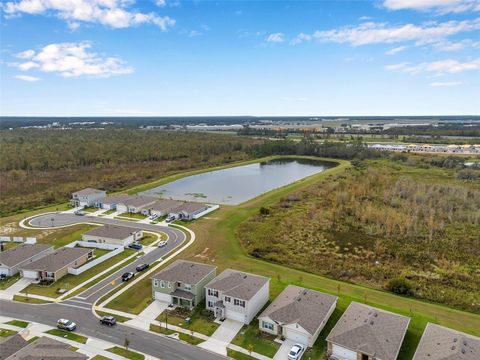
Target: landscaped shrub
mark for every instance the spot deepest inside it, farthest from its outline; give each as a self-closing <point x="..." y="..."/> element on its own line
<point x="400" y="286"/>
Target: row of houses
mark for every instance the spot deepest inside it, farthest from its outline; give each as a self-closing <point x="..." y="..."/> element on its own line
<point x="449" y="149"/>
<point x="362" y="333"/>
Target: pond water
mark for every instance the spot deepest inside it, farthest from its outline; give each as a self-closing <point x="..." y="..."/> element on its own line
<point x="236" y="185"/>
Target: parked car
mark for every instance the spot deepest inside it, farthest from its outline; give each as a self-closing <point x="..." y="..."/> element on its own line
<point x="65" y="324"/>
<point x="108" y="320"/>
<point x="127" y="276"/>
<point x="169" y="219"/>
<point x="3" y="276"/>
<point x="142" y="267"/>
<point x="153" y="217"/>
<point x="79" y="212"/>
<point x="162" y="243"/>
<point x="296" y="352"/>
<point x="135" y="246"/>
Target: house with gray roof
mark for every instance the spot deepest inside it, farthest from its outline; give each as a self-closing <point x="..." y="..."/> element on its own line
<point x="113" y="234"/>
<point x="298" y="314"/>
<point x="237" y="295"/>
<point x="110" y="202"/>
<point x="11" y="260"/>
<point x="55" y="265"/>
<point x="367" y="333"/>
<point x="188" y="210"/>
<point x="441" y="343"/>
<point x="135" y="204"/>
<point x="11" y="344"/>
<point x="161" y="207"/>
<point x="87" y="197"/>
<point x="182" y="283"/>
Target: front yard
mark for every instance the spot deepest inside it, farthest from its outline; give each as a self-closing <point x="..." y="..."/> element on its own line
<point x="132" y="216"/>
<point x="201" y="320"/>
<point x="9" y="281"/>
<point x="129" y="354"/>
<point x="251" y="338"/>
<point x="5" y="332"/>
<point x="68" y="335"/>
<point x="185" y="337"/>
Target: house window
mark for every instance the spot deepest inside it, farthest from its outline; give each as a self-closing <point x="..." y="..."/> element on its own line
<point x="210" y="304"/>
<point x="213" y="292"/>
<point x="169" y="285"/>
<point x="267" y="325"/>
<point x="227" y="299"/>
<point x="162" y="284"/>
<point x="187" y="287"/>
<point x="238" y="302"/>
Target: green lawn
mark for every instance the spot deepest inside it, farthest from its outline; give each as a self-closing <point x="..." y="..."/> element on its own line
<point x="161" y="330"/>
<point x="250" y="337"/>
<point x="67" y="235"/>
<point x="108" y="212"/>
<point x="118" y="317"/>
<point x="5" y="284"/>
<point x="129" y="354"/>
<point x="91" y="209"/>
<point x="200" y="321"/>
<point x="68" y="335"/>
<point x="238" y="355"/>
<point x="135" y="299"/>
<point x="149" y="238"/>
<point x="29" y="300"/>
<point x="132" y="216"/>
<point x="185" y="337"/>
<point x="10" y="245"/>
<point x="5" y="332"/>
<point x="19" y="323"/>
<point x="100" y="357"/>
<point x="69" y="281"/>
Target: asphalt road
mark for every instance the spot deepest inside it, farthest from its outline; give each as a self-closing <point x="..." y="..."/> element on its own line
<point x="87" y="324"/>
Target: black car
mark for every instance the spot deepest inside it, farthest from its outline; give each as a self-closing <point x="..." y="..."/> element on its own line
<point x="135" y="246"/>
<point x="108" y="320"/>
<point x="127" y="276"/>
<point x="142" y="267"/>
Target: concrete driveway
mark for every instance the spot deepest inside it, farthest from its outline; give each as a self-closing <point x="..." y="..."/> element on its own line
<point x="282" y="353"/>
<point x="222" y="337"/>
<point x="148" y="315"/>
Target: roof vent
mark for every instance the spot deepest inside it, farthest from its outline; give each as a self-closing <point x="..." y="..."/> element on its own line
<point x="453" y="347"/>
<point x="455" y="339"/>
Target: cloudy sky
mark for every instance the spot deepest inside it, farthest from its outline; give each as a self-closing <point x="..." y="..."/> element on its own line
<point x="178" y="57"/>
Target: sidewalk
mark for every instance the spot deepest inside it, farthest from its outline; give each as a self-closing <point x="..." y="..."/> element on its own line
<point x="148" y="315"/>
<point x="15" y="288"/>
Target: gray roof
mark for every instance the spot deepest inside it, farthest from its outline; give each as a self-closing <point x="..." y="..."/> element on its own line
<point x="308" y="308"/>
<point x="370" y="331"/>
<point x="440" y="343"/>
<point x="115" y="199"/>
<point x="187" y="272"/>
<point x="165" y="204"/>
<point x="21" y="253"/>
<point x="138" y="201"/>
<point x="183" y="294"/>
<point x="57" y="260"/>
<point x="45" y="348"/>
<point x="190" y="207"/>
<point x="238" y="284"/>
<point x="88" y="191"/>
<point x="112" y="231"/>
<point x="10" y="345"/>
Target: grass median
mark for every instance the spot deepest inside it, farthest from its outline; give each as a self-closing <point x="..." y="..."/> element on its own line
<point x="68" y="335"/>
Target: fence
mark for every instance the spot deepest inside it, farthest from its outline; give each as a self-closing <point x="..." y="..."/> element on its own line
<point x="205" y="212"/>
<point x="115" y="250"/>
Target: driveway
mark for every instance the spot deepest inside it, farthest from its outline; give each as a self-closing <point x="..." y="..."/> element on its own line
<point x="282" y="353"/>
<point x="148" y="315"/>
<point x="222" y="337"/>
<point x="16" y="287"/>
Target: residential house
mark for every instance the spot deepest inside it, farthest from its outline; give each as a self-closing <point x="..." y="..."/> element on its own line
<point x="13" y="259"/>
<point x="55" y="265"/>
<point x="112" y="234"/>
<point x="441" y="343"/>
<point x="182" y="283"/>
<point x="367" y="333"/>
<point x="87" y="197"/>
<point x="188" y="210"/>
<point x="135" y="204"/>
<point x="110" y="202"/>
<point x="161" y="207"/>
<point x="298" y="314"/>
<point x="237" y="295"/>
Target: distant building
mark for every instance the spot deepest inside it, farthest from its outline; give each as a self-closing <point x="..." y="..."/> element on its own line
<point x="188" y="210"/>
<point x="161" y="207"/>
<point x="135" y="204"/>
<point x="110" y="202"/>
<point x="111" y="234"/>
<point x="87" y="197"/>
<point x="12" y="260"/>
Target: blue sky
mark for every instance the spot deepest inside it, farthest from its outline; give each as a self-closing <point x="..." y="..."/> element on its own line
<point x="175" y="57"/>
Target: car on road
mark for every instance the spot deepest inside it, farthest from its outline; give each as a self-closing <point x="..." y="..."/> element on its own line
<point x="65" y="324"/>
<point x="142" y="267"/>
<point x="296" y="352"/>
<point x="135" y="246"/>
<point x="79" y="212"/>
<point x="108" y="320"/>
<point x="169" y="219"/>
<point x="127" y="276"/>
<point x="162" y="243"/>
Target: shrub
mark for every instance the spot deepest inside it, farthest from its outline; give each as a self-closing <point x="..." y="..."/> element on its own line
<point x="264" y="211"/>
<point x="400" y="286"/>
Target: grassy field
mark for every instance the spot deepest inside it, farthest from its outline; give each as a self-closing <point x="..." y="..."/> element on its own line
<point x="68" y="335"/>
<point x="29" y="300"/>
<point x="129" y="354"/>
<point x="200" y="321"/>
<point x="250" y="337"/>
<point x="131" y="216"/>
<point x="5" y="284"/>
<point x="6" y="332"/>
<point x="118" y="317"/>
<point x="19" y="323"/>
<point x="100" y="357"/>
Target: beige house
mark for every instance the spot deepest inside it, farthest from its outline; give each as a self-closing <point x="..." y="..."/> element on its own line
<point x="13" y="259"/>
<point x="112" y="234"/>
<point x="161" y="207"/>
<point x="135" y="204"/>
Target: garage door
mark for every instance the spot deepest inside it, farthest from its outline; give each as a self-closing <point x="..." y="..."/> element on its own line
<point x="233" y="315"/>
<point x="163" y="297"/>
<point x="296" y="336"/>
<point x="343" y="353"/>
<point x="30" y="274"/>
<point x="4" y="271"/>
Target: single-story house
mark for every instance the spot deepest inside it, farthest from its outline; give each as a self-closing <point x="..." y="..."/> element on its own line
<point x="15" y="347"/>
<point x="112" y="234"/>
<point x="182" y="283"/>
<point x="135" y="204"/>
<point x="110" y="202"/>
<point x="13" y="259"/>
<point x="237" y="295"/>
<point x="188" y="210"/>
<point x="161" y="207"/>
<point x="441" y="343"/>
<point x="87" y="197"/>
<point x="298" y="314"/>
<point x="367" y="333"/>
<point x="55" y="265"/>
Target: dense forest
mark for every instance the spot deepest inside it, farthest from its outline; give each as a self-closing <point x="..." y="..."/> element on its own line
<point x="41" y="167"/>
<point x="408" y="225"/>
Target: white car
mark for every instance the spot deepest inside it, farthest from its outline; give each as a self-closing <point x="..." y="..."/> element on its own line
<point x="296" y="352"/>
<point x="65" y="324"/>
<point x="153" y="217"/>
<point x="163" y="243"/>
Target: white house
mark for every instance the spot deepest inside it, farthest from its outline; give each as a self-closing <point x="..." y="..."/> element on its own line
<point x="13" y="259"/>
<point x="188" y="210"/>
<point x="112" y="234"/>
<point x="87" y="197"/>
<point x="135" y="204"/>
<point x="237" y="295"/>
<point x="298" y="314"/>
<point x="110" y="202"/>
<point x="161" y="207"/>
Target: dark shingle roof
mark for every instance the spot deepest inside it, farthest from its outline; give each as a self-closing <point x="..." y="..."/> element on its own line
<point x="238" y="284"/>
<point x="57" y="260"/>
<point x="306" y="307"/>
<point x="88" y="191"/>
<point x="45" y="348"/>
<point x="370" y="331"/>
<point x="112" y="231"/>
<point x="21" y="253"/>
<point x="115" y="199"/>
<point x="187" y="272"/>
<point x="441" y="343"/>
<point x="138" y="201"/>
<point x="190" y="207"/>
<point x="10" y="345"/>
<point x="165" y="204"/>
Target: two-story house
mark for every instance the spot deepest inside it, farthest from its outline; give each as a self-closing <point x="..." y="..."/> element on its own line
<point x="182" y="283"/>
<point x="87" y="197"/>
<point x="237" y="295"/>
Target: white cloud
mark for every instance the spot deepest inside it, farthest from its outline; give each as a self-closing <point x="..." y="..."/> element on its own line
<point x="439" y="6"/>
<point x="73" y="60"/>
<point x="439" y="67"/>
<point x="27" y="78"/>
<point x="395" y="50"/>
<point x="450" y="46"/>
<point x="112" y="13"/>
<point x="445" y="84"/>
<point x="276" y="38"/>
<point x="300" y="38"/>
<point x="27" y="54"/>
<point x="160" y="3"/>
